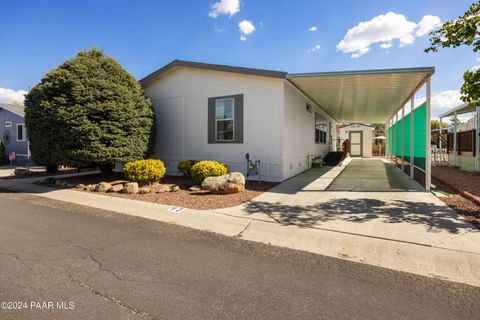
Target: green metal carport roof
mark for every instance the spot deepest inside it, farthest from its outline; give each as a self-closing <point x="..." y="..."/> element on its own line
<point x="365" y="96"/>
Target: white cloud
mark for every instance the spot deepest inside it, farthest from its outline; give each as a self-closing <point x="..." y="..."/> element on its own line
<point x="427" y="24"/>
<point x="313" y="28"/>
<point x="246" y="27"/>
<point x="226" y="7"/>
<point x="315" y="48"/>
<point x="386" y="45"/>
<point x="442" y="101"/>
<point x="9" y="95"/>
<point x="475" y="68"/>
<point x="384" y="29"/>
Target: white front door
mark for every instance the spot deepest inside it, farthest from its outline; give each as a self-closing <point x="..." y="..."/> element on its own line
<point x="356" y="143"/>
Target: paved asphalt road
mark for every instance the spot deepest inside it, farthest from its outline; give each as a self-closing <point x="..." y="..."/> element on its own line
<point x="111" y="266"/>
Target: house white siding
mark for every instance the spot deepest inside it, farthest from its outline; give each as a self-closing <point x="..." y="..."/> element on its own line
<point x="180" y="99"/>
<point x="299" y="132"/>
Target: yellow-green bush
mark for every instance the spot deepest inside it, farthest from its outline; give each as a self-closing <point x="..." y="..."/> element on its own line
<point x="208" y="168"/>
<point x="185" y="166"/>
<point x="144" y="171"/>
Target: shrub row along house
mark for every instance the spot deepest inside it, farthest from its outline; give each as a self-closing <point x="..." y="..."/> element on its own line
<point x="209" y="111"/>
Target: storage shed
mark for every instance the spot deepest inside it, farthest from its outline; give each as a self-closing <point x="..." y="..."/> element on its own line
<point x="360" y="137"/>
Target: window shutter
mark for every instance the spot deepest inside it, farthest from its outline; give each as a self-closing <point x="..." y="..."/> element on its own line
<point x="238" y="118"/>
<point x="211" y="120"/>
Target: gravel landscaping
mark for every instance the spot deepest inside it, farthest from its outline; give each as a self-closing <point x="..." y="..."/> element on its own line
<point x="161" y="193"/>
<point x="451" y="180"/>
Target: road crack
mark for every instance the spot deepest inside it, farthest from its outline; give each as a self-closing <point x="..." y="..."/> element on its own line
<point x="121" y="304"/>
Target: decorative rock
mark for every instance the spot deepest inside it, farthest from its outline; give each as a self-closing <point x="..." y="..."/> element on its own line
<point x="102" y="187"/>
<point x="64" y="183"/>
<point x="113" y="183"/>
<point x="195" y="188"/>
<point x="70" y="185"/>
<point x="229" y="183"/>
<point x="163" y="189"/>
<point x="116" y="188"/>
<point x="174" y="188"/>
<point x="89" y="187"/>
<point x="131" y="188"/>
<point x="145" y="191"/>
<point x="58" y="182"/>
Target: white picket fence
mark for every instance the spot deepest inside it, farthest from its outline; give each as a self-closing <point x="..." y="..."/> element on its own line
<point x="439" y="156"/>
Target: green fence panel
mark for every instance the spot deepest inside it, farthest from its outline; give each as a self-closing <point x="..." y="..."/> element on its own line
<point x="406" y="136"/>
<point x="388" y="141"/>
<point x="420" y="136"/>
<point x="398" y="144"/>
<point x="394" y="138"/>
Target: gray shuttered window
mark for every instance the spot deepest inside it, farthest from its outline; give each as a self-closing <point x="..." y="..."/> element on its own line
<point x="215" y="126"/>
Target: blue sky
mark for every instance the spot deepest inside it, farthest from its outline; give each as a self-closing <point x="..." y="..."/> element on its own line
<point x="36" y="36"/>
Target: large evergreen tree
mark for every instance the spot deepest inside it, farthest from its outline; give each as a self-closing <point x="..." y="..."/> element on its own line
<point x="88" y="111"/>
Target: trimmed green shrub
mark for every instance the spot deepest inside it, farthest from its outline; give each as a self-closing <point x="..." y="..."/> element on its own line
<point x="88" y="111"/>
<point x="185" y="167"/>
<point x="3" y="155"/>
<point x="144" y="171"/>
<point x="208" y="168"/>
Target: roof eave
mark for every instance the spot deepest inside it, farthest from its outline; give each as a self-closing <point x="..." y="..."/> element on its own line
<point x="214" y="67"/>
<point x="427" y="70"/>
<point x="458" y="109"/>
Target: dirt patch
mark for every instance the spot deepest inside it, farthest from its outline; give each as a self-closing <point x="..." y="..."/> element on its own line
<point x="451" y="181"/>
<point x="202" y="200"/>
<point x="460" y="179"/>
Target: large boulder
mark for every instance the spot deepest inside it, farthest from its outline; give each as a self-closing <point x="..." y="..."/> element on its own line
<point x="131" y="188"/>
<point x="116" y="188"/>
<point x="102" y="187"/>
<point x="229" y="183"/>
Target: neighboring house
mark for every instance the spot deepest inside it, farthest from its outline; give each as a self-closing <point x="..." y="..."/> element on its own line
<point x="463" y="140"/>
<point x="218" y="112"/>
<point x="13" y="132"/>
<point x="360" y="137"/>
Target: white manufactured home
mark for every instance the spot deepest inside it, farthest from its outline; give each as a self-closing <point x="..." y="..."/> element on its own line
<point x="209" y="111"/>
<point x="222" y="113"/>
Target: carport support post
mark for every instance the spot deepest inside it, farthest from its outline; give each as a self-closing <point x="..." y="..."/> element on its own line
<point x="403" y="138"/>
<point x="396" y="138"/>
<point x="428" y="146"/>
<point x="477" y="142"/>
<point x="440" y="135"/>
<point x="412" y="140"/>
<point x="455" y="138"/>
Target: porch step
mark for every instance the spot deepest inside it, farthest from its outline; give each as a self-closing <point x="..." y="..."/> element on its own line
<point x="333" y="158"/>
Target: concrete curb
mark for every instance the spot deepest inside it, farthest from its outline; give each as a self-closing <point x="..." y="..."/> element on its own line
<point x="438" y="262"/>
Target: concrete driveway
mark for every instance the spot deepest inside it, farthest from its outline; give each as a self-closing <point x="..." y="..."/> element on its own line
<point x="368" y="197"/>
